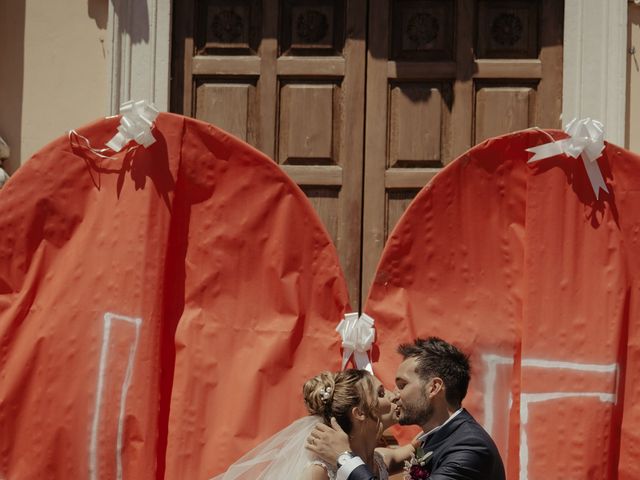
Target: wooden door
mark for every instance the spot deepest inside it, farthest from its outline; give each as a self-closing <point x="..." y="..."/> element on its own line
<point x="288" y="77"/>
<point x="388" y="90"/>
<point x="443" y="75"/>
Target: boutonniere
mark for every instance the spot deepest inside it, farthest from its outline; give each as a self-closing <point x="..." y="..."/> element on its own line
<point x="417" y="468"/>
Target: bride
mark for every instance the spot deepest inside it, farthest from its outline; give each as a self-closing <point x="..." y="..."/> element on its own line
<point x="362" y="408"/>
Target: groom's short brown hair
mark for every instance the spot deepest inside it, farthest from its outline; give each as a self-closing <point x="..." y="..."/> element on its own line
<point x="437" y="358"/>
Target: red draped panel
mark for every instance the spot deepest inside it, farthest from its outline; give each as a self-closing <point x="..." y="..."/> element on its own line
<point x="522" y="267"/>
<point x="159" y="311"/>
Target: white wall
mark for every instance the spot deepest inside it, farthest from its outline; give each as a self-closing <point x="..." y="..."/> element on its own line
<point x="632" y="134"/>
<point x="595" y="62"/>
<point x="57" y="77"/>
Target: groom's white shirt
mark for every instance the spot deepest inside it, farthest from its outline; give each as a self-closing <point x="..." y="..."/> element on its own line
<point x="349" y="466"/>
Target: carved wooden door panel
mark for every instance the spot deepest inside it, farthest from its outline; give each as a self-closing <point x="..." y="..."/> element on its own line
<point x="443" y="75"/>
<point x="288" y="77"/>
<point x="392" y="90"/>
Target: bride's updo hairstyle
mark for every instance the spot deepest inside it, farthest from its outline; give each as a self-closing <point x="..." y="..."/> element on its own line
<point x="335" y="394"/>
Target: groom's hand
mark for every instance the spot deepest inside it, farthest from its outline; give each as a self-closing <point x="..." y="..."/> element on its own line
<point x="328" y="442"/>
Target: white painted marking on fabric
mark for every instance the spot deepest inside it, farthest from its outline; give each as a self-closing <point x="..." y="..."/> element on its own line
<point x="493" y="361"/>
<point x="527" y="398"/>
<point x="585" y="367"/>
<point x="108" y="320"/>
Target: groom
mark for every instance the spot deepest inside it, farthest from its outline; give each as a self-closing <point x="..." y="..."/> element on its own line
<point x="431" y="383"/>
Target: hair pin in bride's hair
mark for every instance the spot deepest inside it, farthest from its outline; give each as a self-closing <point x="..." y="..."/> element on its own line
<point x="325" y="394"/>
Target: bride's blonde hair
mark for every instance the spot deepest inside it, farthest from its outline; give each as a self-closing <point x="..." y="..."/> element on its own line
<point x="335" y="394"/>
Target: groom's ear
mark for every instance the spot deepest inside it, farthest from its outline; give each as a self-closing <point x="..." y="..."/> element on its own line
<point x="436" y="385"/>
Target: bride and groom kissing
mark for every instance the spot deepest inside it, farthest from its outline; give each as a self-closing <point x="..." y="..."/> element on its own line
<point x="349" y="410"/>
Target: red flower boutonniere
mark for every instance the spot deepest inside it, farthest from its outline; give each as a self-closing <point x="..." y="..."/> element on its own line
<point x="417" y="468"/>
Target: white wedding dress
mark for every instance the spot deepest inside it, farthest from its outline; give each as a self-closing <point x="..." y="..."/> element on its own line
<point x="332" y="472"/>
<point x="283" y="456"/>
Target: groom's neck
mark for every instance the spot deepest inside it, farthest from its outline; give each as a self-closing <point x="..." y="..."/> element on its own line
<point x="440" y="415"/>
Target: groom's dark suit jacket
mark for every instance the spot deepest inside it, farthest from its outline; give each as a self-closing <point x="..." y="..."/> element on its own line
<point x="462" y="450"/>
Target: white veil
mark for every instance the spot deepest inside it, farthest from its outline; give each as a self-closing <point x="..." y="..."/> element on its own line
<point x="281" y="456"/>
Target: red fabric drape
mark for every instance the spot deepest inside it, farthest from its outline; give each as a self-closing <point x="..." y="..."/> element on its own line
<point x="522" y="267"/>
<point x="173" y="299"/>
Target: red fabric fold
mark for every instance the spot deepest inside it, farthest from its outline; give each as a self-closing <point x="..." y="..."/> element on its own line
<point x="522" y="267"/>
<point x="208" y="245"/>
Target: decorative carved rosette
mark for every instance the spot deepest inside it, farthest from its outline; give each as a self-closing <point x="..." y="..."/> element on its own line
<point x="227" y="26"/>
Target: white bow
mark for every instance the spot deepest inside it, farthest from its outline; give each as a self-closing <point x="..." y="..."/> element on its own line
<point x="586" y="140"/>
<point x="357" y="334"/>
<point x="135" y="124"/>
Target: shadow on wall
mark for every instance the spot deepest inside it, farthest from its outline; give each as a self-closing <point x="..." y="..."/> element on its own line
<point x="12" y="19"/>
<point x="99" y="11"/>
<point x="137" y="11"/>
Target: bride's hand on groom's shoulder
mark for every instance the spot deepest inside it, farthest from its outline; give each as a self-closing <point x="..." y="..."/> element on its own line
<point x="328" y="442"/>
